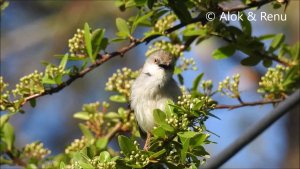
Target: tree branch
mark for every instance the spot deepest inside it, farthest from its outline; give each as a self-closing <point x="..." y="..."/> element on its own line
<point x="244" y="104"/>
<point x="113" y="131"/>
<point x="102" y="58"/>
<point x="17" y="161"/>
<point x="255" y="3"/>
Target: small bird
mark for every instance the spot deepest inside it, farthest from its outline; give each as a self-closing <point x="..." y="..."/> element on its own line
<point x="152" y="88"/>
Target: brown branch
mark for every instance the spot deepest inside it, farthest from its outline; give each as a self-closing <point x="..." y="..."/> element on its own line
<point x="134" y="42"/>
<point x="16" y="160"/>
<point x="244" y="104"/>
<point x="113" y="131"/>
<point x="275" y="58"/>
<point x="255" y="3"/>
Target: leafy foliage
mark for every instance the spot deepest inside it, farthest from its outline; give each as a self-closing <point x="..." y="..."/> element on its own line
<point x="180" y="134"/>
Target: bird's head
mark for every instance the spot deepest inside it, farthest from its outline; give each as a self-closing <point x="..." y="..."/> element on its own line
<point x="160" y="61"/>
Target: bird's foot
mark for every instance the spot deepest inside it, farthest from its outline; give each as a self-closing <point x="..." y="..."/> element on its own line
<point x="147" y="143"/>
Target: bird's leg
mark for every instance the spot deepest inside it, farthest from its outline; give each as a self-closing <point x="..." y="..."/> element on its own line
<point x="147" y="143"/>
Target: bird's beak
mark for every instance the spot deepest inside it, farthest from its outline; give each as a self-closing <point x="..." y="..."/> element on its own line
<point x="165" y="66"/>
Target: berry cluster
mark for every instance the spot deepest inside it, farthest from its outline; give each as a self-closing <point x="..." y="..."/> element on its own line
<point x="271" y="85"/>
<point x="187" y="64"/>
<point x="207" y="86"/>
<point x="173" y="156"/>
<point x="53" y="72"/>
<point x="137" y="157"/>
<point x="164" y="23"/>
<point x="178" y="122"/>
<point x="103" y="165"/>
<point x="230" y="87"/>
<point x="77" y="44"/>
<point x="4" y="101"/>
<point x="175" y="50"/>
<point x="29" y="85"/>
<point x="203" y="103"/>
<point x="36" y="151"/>
<point x="121" y="81"/>
<point x="76" y="145"/>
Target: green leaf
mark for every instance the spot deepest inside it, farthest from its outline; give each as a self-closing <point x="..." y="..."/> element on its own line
<point x="187" y="134"/>
<point x="185" y="146"/>
<point x="198" y="139"/>
<point x="111" y="115"/>
<point x="180" y="79"/>
<point x="167" y="127"/>
<point x="4" y="118"/>
<point x="267" y="62"/>
<point x="168" y="108"/>
<point x="8" y="135"/>
<point x="126" y="145"/>
<point x="196" y="82"/>
<point x="97" y="37"/>
<point x="121" y="112"/>
<point x="177" y="70"/>
<point x="58" y="79"/>
<point x="32" y="102"/>
<point x="4" y="5"/>
<point x="140" y="2"/>
<point x="160" y="120"/>
<point x="104" y="43"/>
<point x="199" y="32"/>
<point x="251" y="61"/>
<point x="104" y="156"/>
<point x="159" y="132"/>
<point x="224" y="52"/>
<point x="86" y="132"/>
<point x="122" y="27"/>
<point x="91" y="151"/>
<point x="141" y="19"/>
<point x="157" y="154"/>
<point x="212" y="115"/>
<point x="295" y="51"/>
<point x="277" y="41"/>
<point x="88" y="41"/>
<point x="47" y="80"/>
<point x="85" y="165"/>
<point x="101" y="143"/>
<point x="198" y="105"/>
<point x="277" y="5"/>
<point x="118" y="98"/>
<point x="181" y="10"/>
<point x="120" y="4"/>
<point x="159" y="116"/>
<point x="266" y="37"/>
<point x="62" y="165"/>
<point x="82" y="115"/>
<point x="246" y="25"/>
<point x="130" y="3"/>
<point x="64" y="61"/>
<point x="150" y="3"/>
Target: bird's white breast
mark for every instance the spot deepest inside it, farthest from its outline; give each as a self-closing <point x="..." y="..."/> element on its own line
<point x="151" y="92"/>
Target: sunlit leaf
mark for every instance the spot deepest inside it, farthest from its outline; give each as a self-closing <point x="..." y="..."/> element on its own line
<point x="64" y="61"/>
<point x="277" y="41"/>
<point x="122" y="27"/>
<point x="88" y="41"/>
<point x="223" y="52"/>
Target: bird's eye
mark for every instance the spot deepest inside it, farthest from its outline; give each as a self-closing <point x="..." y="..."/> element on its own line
<point x="155" y="60"/>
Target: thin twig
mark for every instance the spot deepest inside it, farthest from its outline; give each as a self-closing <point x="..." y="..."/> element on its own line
<point x="113" y="131"/>
<point x="255" y="3"/>
<point x="16" y="160"/>
<point x="244" y="104"/>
